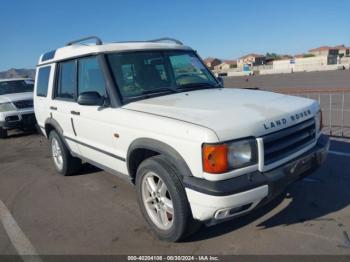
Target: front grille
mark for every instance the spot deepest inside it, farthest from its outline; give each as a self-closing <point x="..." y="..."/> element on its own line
<point x="11" y="118"/>
<point x="24" y="104"/>
<point x="285" y="142"/>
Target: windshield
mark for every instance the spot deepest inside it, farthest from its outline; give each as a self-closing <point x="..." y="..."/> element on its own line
<point x="16" y="86"/>
<point x="142" y="74"/>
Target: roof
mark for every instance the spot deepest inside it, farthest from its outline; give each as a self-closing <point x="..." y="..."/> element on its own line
<point x="210" y="59"/>
<point x="76" y="50"/>
<point x="15" y="79"/>
<point x="325" y="48"/>
<point x="252" y="54"/>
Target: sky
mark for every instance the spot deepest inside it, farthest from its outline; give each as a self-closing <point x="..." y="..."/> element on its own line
<point x="226" y="29"/>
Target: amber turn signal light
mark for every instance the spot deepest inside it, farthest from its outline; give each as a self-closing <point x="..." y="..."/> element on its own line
<point x="215" y="158"/>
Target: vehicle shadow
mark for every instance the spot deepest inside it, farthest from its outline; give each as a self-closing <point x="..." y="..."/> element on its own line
<point x="314" y="198"/>
<point x="21" y="133"/>
<point x="86" y="169"/>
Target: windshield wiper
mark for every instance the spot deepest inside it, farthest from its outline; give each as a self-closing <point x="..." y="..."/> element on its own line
<point x="149" y="93"/>
<point x="199" y="85"/>
<point x="158" y="90"/>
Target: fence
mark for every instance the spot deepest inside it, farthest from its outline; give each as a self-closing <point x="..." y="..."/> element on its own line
<point x="335" y="105"/>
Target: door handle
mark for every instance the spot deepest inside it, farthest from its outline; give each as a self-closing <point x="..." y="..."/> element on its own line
<point x="75" y="113"/>
<point x="53" y="108"/>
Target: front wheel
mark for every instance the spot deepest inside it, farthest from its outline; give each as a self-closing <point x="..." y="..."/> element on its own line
<point x="162" y="199"/>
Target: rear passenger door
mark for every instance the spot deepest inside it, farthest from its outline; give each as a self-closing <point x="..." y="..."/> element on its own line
<point x="63" y="105"/>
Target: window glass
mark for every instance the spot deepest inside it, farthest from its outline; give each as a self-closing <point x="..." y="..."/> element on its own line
<point x="189" y="69"/>
<point x="67" y="80"/>
<point x="140" y="74"/>
<point x="16" y="86"/>
<point x="43" y="81"/>
<point x="91" y="77"/>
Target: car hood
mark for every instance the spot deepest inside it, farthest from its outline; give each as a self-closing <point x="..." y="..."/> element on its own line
<point x="231" y="113"/>
<point x="16" y="97"/>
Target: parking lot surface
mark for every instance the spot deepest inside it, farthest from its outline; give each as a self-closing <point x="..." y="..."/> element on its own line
<point x="326" y="80"/>
<point x="96" y="213"/>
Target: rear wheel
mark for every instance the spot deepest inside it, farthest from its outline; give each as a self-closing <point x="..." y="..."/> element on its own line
<point x="162" y="199"/>
<point x="3" y="133"/>
<point x="64" y="162"/>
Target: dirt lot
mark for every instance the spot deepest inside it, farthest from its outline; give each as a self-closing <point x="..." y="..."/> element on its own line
<point x="297" y="81"/>
<point x="97" y="213"/>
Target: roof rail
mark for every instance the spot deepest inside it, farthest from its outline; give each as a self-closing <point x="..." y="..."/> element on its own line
<point x="98" y="41"/>
<point x="166" y="39"/>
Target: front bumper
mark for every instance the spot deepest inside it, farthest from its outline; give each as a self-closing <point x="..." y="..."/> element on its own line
<point x="19" y="120"/>
<point x="217" y="200"/>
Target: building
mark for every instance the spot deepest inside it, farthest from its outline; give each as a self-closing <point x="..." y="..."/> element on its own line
<point x="324" y="51"/>
<point x="225" y="65"/>
<point x="339" y="50"/>
<point x="211" y="62"/>
<point x="343" y="50"/>
<point x="251" y="60"/>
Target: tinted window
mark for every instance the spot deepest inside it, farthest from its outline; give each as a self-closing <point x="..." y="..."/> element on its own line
<point x="90" y="76"/>
<point x="67" y="80"/>
<point x="16" y="86"/>
<point x="143" y="73"/>
<point x="43" y="81"/>
<point x="138" y="72"/>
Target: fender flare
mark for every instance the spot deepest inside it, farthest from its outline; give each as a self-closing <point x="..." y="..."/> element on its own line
<point x="58" y="128"/>
<point x="161" y="148"/>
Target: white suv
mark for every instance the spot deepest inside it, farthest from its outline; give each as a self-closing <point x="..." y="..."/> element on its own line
<point x="153" y="113"/>
<point x="16" y="105"/>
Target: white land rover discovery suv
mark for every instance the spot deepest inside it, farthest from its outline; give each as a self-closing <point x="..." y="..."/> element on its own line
<point x="152" y="112"/>
<point x="16" y="105"/>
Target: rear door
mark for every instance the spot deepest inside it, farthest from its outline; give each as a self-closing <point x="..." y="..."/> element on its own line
<point x="63" y="105"/>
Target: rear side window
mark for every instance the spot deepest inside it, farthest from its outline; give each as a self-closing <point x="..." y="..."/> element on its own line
<point x="90" y="77"/>
<point x="66" y="85"/>
<point x="43" y="81"/>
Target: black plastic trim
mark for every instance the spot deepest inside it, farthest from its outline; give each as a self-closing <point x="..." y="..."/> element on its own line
<point x="97" y="149"/>
<point x="277" y="179"/>
<point x="161" y="148"/>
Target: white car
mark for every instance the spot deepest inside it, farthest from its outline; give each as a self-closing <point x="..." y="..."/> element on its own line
<point x="152" y="112"/>
<point x="16" y="105"/>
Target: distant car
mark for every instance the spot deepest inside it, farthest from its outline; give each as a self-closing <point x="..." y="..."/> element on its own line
<point x="16" y="105"/>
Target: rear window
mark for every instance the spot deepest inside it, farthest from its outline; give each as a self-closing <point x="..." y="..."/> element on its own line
<point x="43" y="81"/>
<point x="16" y="86"/>
<point x="66" y="85"/>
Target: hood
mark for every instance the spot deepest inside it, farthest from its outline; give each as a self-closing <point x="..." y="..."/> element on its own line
<point x="16" y="97"/>
<point x="231" y="113"/>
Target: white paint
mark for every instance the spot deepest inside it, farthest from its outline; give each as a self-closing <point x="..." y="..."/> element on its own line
<point x="18" y="239"/>
<point x="204" y="206"/>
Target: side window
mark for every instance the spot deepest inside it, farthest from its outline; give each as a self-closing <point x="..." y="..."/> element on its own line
<point x="90" y="77"/>
<point x="43" y="81"/>
<point x="66" y="84"/>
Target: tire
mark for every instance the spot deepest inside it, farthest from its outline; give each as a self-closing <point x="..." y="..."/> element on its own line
<point x="64" y="162"/>
<point x="3" y="133"/>
<point x="160" y="171"/>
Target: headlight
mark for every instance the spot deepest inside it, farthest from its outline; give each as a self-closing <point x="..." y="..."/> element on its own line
<point x="7" y="107"/>
<point x="319" y="121"/>
<point x="221" y="158"/>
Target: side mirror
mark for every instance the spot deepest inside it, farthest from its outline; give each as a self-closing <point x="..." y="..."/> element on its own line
<point x="221" y="80"/>
<point x="90" y="99"/>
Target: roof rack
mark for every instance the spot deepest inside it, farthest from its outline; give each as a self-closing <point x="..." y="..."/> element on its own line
<point x="98" y="41"/>
<point x="166" y="39"/>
